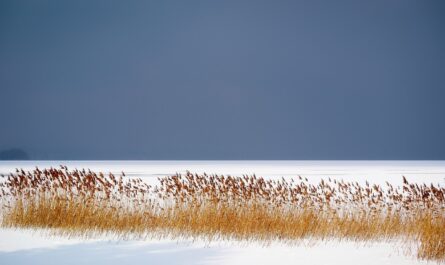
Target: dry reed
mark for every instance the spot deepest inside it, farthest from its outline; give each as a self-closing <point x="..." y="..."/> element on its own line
<point x="86" y="203"/>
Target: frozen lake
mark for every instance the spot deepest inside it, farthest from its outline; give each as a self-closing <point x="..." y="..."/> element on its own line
<point x="25" y="247"/>
<point x="372" y="170"/>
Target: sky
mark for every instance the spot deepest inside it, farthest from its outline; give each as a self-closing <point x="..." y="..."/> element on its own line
<point x="225" y="80"/>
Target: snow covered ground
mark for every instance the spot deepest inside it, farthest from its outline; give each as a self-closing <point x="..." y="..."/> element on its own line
<point x="26" y="247"/>
<point x="35" y="247"/>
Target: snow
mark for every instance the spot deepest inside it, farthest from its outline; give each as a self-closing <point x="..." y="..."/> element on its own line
<point x="36" y="247"/>
<point x="26" y="247"/>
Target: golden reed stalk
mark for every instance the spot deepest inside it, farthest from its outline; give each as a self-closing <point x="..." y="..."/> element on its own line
<point x="85" y="203"/>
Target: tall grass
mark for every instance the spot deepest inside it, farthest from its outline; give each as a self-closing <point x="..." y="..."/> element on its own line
<point x="85" y="203"/>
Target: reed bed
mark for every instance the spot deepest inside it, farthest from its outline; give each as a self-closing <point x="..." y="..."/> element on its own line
<point x="85" y="203"/>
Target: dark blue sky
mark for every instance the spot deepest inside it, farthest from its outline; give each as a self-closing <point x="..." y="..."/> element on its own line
<point x="223" y="79"/>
